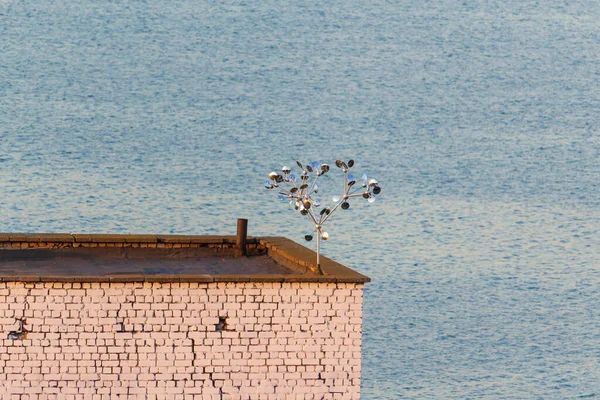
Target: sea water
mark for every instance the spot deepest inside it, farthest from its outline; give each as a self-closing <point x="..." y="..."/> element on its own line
<point x="478" y="118"/>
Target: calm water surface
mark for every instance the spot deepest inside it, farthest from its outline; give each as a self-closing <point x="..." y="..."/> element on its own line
<point x="479" y="119"/>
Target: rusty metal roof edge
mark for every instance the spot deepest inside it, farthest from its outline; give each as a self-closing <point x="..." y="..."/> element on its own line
<point x="303" y="257"/>
<point x="177" y="278"/>
<point x="119" y="238"/>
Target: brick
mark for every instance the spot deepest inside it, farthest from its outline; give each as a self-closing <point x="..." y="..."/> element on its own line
<point x="279" y="337"/>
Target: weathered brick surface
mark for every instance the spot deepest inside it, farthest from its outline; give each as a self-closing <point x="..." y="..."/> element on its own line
<point x="180" y="340"/>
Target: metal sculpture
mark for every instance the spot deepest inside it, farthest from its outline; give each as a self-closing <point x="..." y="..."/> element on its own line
<point x="300" y="191"/>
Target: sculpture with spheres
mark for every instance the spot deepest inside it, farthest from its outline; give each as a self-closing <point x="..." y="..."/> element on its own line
<point x="300" y="190"/>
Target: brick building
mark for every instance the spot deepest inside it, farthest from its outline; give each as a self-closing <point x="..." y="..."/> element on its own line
<point x="175" y="317"/>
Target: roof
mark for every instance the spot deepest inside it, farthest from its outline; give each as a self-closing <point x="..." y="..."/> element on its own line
<point x="162" y="258"/>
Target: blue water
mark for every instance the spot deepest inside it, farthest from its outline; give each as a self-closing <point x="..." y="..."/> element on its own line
<point x="479" y="118"/>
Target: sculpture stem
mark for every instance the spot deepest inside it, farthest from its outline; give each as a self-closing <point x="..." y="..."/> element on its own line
<point x="319" y="252"/>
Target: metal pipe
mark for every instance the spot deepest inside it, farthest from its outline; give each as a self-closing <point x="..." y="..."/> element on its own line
<point x="242" y="235"/>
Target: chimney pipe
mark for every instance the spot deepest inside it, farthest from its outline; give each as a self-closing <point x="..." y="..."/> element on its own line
<point x="242" y="235"/>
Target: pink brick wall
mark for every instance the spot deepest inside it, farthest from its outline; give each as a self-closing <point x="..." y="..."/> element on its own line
<point x="161" y="340"/>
